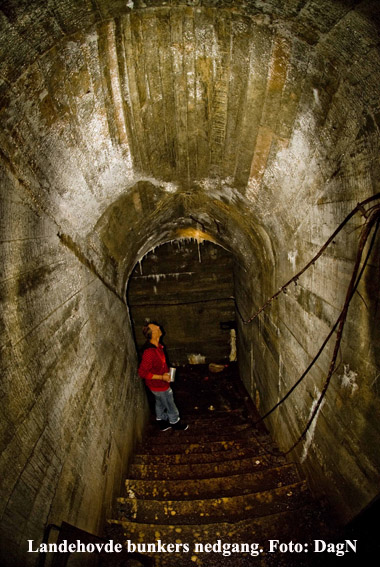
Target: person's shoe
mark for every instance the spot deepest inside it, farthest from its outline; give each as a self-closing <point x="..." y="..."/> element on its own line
<point x="179" y="426"/>
<point x="163" y="425"/>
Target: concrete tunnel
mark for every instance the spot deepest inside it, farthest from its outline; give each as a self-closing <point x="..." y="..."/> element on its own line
<point x="242" y="130"/>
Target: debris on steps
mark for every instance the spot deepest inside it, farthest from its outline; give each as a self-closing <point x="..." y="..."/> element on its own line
<point x="218" y="493"/>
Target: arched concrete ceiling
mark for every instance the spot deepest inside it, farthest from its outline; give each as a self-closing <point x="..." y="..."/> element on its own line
<point x="145" y="218"/>
<point x="244" y="106"/>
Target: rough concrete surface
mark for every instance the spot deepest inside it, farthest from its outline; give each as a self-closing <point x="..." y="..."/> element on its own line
<point x="128" y="125"/>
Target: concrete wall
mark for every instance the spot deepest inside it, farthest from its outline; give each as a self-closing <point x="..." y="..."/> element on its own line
<point x="330" y="163"/>
<point x="72" y="406"/>
<point x="124" y="126"/>
<point x="338" y="454"/>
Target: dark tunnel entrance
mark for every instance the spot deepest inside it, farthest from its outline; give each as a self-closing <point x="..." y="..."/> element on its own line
<point x="188" y="287"/>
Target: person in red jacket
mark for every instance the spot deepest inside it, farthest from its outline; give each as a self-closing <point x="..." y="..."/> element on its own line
<point x="155" y="371"/>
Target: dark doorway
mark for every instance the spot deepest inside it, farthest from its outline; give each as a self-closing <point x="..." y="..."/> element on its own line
<point x="188" y="288"/>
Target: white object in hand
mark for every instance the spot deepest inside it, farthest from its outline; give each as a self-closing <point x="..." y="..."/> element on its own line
<point x="172" y="373"/>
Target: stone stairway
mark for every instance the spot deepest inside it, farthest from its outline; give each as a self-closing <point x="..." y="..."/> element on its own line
<point x="221" y="483"/>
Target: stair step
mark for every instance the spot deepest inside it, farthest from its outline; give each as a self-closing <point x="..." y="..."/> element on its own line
<point x="192" y="457"/>
<point x="258" y="529"/>
<point x="217" y="417"/>
<point x="237" y="484"/>
<point x="256" y="532"/>
<point x="213" y="510"/>
<point x="208" y="435"/>
<point x="221" y="481"/>
<point x="200" y="470"/>
<point x="175" y="445"/>
<point x="205" y="431"/>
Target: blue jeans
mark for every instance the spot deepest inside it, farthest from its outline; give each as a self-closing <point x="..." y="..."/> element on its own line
<point x="165" y="406"/>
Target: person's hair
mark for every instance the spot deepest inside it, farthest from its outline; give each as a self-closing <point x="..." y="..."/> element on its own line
<point x="147" y="331"/>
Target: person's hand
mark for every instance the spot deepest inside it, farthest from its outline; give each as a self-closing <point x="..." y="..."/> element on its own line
<point x="166" y="377"/>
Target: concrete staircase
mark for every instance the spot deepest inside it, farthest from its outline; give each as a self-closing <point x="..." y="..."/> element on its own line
<point x="221" y="482"/>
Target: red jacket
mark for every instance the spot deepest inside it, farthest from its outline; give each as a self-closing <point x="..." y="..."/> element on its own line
<point x="154" y="362"/>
